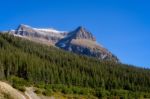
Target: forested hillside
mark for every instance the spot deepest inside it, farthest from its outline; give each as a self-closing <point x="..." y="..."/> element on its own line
<point x="37" y="63"/>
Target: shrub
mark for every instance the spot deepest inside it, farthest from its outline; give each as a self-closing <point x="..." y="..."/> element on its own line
<point x="47" y="87"/>
<point x="19" y="87"/>
<point x="47" y="92"/>
<point x="101" y="93"/>
<point x="40" y="85"/>
<point x="58" y="87"/>
<point x="123" y="94"/>
<point x="38" y="91"/>
<point x="85" y="91"/>
<point x="67" y="90"/>
<point x="76" y="90"/>
<point x="18" y="83"/>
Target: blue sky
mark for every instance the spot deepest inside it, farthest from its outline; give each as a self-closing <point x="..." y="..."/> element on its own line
<point x="122" y="26"/>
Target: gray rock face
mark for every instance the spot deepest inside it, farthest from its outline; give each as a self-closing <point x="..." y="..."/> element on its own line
<point x="45" y="34"/>
<point x="82" y="33"/>
<point x="79" y="41"/>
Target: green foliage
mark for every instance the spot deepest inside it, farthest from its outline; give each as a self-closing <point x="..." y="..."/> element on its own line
<point x="18" y="83"/>
<point x="17" y="80"/>
<point x="85" y="91"/>
<point x="21" y="88"/>
<point x="121" y="93"/>
<point x="47" y="92"/>
<point x="40" y="85"/>
<point x="41" y="64"/>
<point x="66" y="90"/>
<point x="76" y="90"/>
<point x="58" y="87"/>
<point x="101" y="93"/>
<point x="38" y="91"/>
<point x="2" y="75"/>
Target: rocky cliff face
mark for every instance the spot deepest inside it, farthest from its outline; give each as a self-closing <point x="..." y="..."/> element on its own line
<point x="43" y="35"/>
<point x="79" y="41"/>
<point x="81" y="33"/>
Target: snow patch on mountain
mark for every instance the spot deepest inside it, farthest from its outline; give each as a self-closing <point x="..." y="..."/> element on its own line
<point x="48" y="30"/>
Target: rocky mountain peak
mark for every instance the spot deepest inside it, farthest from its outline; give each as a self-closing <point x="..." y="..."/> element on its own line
<point x="24" y="29"/>
<point x="82" y="33"/>
<point x="23" y="26"/>
<point x="82" y="42"/>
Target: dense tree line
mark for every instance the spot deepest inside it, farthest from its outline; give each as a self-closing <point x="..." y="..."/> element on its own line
<point x="40" y="63"/>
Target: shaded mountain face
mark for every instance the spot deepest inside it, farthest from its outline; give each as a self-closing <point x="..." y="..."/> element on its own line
<point x="79" y="41"/>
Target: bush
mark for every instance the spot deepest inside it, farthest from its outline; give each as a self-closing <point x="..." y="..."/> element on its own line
<point x="47" y="87"/>
<point x="47" y="92"/>
<point x="67" y="90"/>
<point x="101" y="93"/>
<point x="18" y="83"/>
<point x="85" y="91"/>
<point x="21" y="88"/>
<point x="38" y="91"/>
<point x="146" y="95"/>
<point x="58" y="87"/>
<point x="40" y="85"/>
<point x="123" y="94"/>
<point x="76" y="90"/>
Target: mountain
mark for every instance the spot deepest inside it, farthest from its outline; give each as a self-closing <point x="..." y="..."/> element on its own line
<point x="83" y="42"/>
<point x="79" y="41"/>
<point x="48" y="36"/>
<point x="52" y="71"/>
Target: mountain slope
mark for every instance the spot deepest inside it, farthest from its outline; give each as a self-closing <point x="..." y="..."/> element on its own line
<point x="27" y="57"/>
<point x="79" y="41"/>
<point x="37" y="63"/>
<point x="41" y="35"/>
<point x="83" y="42"/>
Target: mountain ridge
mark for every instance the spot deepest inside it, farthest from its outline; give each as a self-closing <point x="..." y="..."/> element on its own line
<point x="79" y="41"/>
